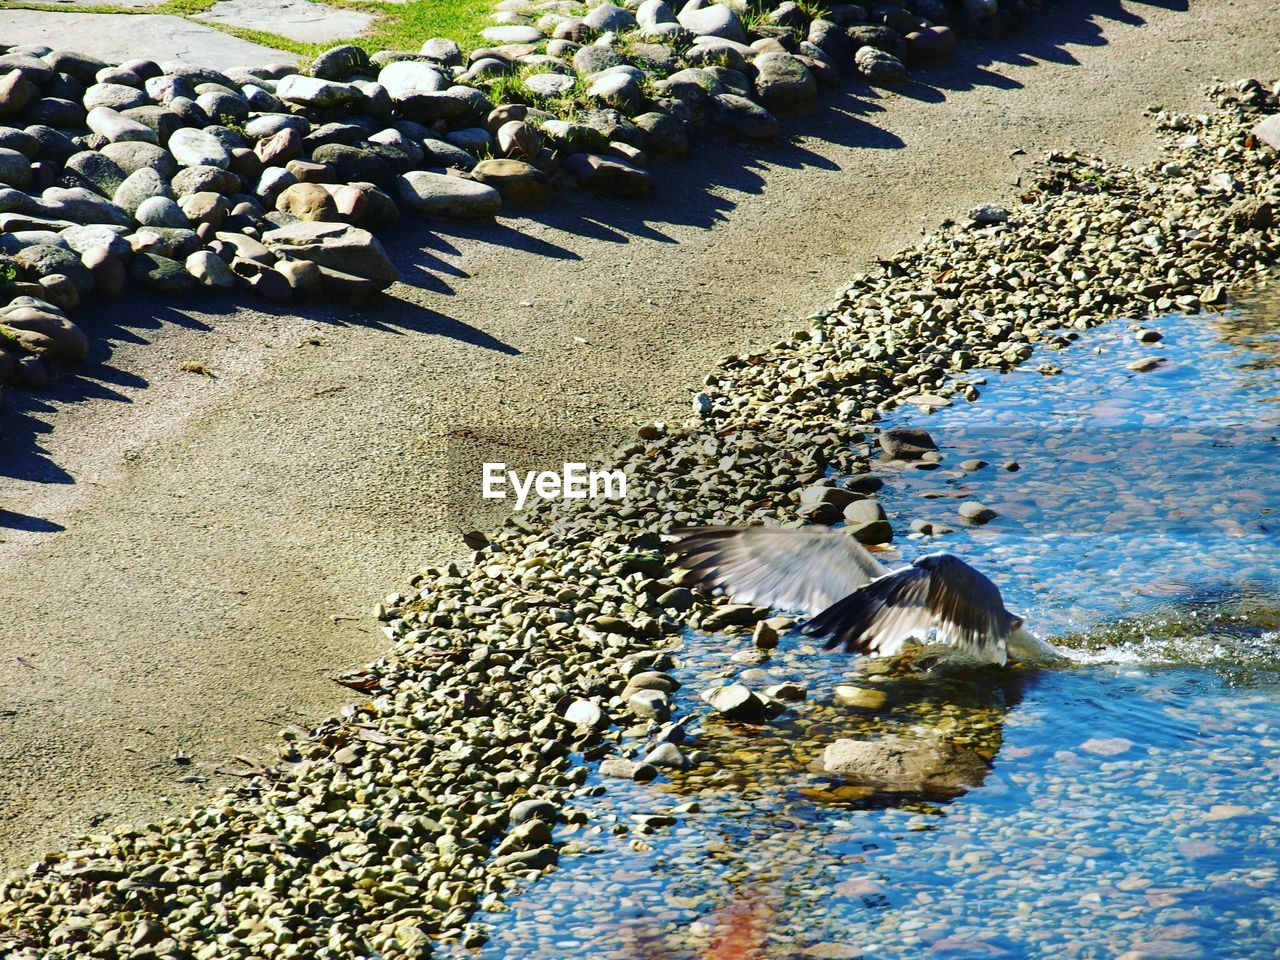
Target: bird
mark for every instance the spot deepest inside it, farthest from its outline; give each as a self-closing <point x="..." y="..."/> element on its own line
<point x="855" y="601"/>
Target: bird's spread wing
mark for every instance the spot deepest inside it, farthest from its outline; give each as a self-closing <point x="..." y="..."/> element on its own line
<point x="805" y="570"/>
<point x="938" y="592"/>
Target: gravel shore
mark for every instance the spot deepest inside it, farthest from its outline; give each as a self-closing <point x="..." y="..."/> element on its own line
<point x="382" y="829"/>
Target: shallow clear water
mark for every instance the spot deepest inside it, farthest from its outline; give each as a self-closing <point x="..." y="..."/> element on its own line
<point x="1133" y="805"/>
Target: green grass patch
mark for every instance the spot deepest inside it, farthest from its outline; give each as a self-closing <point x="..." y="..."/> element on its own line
<point x="404" y="26"/>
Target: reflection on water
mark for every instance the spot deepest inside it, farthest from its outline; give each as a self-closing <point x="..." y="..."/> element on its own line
<point x="1132" y="805"/>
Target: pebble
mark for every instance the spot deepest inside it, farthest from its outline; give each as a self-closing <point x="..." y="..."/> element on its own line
<point x="860" y="698"/>
<point x="736" y="702"/>
<point x="1107" y="746"/>
<point x="989" y="213"/>
<point x="975" y="512"/>
<point x="667" y="756"/>
<point x="434" y="194"/>
<point x="623" y="769"/>
<point x="584" y="713"/>
<point x="879" y="67"/>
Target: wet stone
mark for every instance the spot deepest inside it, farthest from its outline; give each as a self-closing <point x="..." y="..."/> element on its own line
<point x="623" y="769"/>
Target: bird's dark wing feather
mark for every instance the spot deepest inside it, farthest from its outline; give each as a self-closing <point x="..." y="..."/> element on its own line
<point x="805" y="570"/>
<point x="938" y="592"/>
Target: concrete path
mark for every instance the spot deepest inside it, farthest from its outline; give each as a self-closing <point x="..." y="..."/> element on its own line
<point x="188" y="559"/>
<point x="124" y="36"/>
<point x="299" y="20"/>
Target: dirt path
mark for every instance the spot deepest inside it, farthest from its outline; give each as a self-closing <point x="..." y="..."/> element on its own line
<point x="188" y="559"/>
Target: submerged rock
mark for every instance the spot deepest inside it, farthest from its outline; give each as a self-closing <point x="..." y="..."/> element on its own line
<point x="907" y="443"/>
<point x="736" y="702"/>
<point x="896" y="764"/>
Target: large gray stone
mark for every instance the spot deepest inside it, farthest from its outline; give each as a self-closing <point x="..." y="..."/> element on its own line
<point x="70" y="343"/>
<point x="443" y="154"/>
<point x="650" y="13"/>
<point x="878" y="36"/>
<point x="196" y="148"/>
<point x="51" y="144"/>
<point x="33" y="68"/>
<point x="269" y="124"/>
<point x="220" y="106"/>
<point x="655" y="58"/>
<point x="16" y="91"/>
<point x="832" y="40"/>
<point x="595" y="59"/>
<point x="314" y="92"/>
<point x="743" y="118"/>
<point x="109" y="237"/>
<point x="784" y="85"/>
<point x="11" y="138"/>
<point x="209" y="270"/>
<point x="443" y="50"/>
<point x="407" y="77"/>
<point x="165" y="89"/>
<point x="160" y="273"/>
<point x="273" y="182"/>
<point x="425" y="107"/>
<point x="15" y="169"/>
<point x="81" y="206"/>
<point x="692" y="86"/>
<point x="715" y="20"/>
<point x="663" y="134"/>
<point x="339" y="63"/>
<point x="880" y="68"/>
<point x="512" y="33"/>
<point x="41" y="260"/>
<point x="114" y="95"/>
<point x="717" y="53"/>
<point x="205" y="179"/>
<point x="516" y="180"/>
<point x="346" y="255"/>
<point x="619" y="88"/>
<point x="353" y="164"/>
<point x="440" y="195"/>
<point x="117" y="128"/>
<point x="133" y="156"/>
<point x="736" y="702"/>
<point x="907" y="443"/>
<point x="474" y="140"/>
<point x="607" y="17"/>
<point x="141" y="185"/>
<point x="165" y="121"/>
<point x="96" y="171"/>
<point x="161" y="212"/>
<point x="609" y="174"/>
<point x="550" y="84"/>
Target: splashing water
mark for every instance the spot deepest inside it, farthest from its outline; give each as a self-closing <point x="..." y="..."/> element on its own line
<point x="1132" y="806"/>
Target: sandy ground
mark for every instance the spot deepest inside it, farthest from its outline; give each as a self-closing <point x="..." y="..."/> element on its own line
<point x="189" y="559"/>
